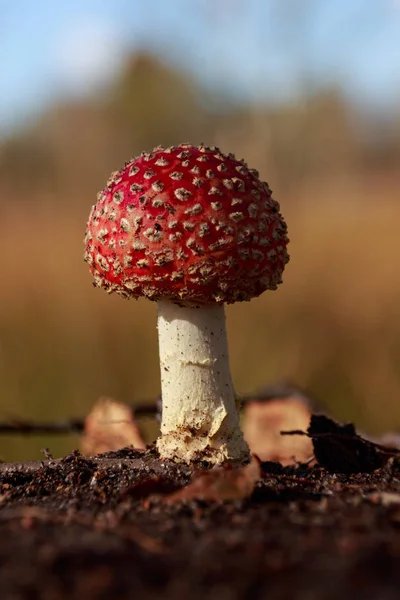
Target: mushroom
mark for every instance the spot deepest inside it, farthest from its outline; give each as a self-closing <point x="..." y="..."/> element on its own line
<point x="192" y="229"/>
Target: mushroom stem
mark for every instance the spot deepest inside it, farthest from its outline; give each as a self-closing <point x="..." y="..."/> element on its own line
<point x="199" y="414"/>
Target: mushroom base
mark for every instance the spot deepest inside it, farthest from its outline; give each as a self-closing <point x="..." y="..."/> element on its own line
<point x="199" y="413"/>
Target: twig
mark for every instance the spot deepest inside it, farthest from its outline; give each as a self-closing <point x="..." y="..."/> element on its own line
<point x="142" y="412"/>
<point x="18" y="426"/>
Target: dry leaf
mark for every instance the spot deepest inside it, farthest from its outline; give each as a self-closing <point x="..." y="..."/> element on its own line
<point x="263" y="422"/>
<point x="110" y="426"/>
<point x="220" y="484"/>
<point x="339" y="449"/>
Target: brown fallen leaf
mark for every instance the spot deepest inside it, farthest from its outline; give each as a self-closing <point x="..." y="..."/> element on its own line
<point x="343" y="450"/>
<point x="263" y="422"/>
<point x="220" y="484"/>
<point x="109" y="426"/>
<point x="340" y="449"/>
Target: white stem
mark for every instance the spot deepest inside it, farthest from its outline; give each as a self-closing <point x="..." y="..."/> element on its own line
<point x="199" y="413"/>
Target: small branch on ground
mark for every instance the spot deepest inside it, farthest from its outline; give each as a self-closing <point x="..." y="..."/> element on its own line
<point x="143" y="411"/>
<point x="18" y="426"/>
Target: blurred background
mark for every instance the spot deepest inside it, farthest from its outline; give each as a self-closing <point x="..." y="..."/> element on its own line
<point x="308" y="92"/>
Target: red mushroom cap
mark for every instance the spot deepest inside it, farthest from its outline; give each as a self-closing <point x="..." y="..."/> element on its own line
<point x="189" y="224"/>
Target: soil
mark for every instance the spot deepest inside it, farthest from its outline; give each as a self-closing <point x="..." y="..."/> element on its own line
<point x="100" y="528"/>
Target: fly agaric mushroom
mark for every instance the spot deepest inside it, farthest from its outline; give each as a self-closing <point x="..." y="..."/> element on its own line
<point x="190" y="228"/>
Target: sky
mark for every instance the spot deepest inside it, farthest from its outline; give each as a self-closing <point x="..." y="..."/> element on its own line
<point x="254" y="49"/>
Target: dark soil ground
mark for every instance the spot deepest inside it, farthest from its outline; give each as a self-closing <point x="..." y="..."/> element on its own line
<point x="81" y="528"/>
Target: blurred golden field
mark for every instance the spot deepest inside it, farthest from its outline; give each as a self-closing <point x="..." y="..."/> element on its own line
<point x="332" y="327"/>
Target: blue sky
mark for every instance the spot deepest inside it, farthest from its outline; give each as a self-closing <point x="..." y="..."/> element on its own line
<point x="254" y="49"/>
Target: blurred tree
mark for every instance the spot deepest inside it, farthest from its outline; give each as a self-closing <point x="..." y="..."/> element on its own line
<point x="155" y="104"/>
<point x="74" y="146"/>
